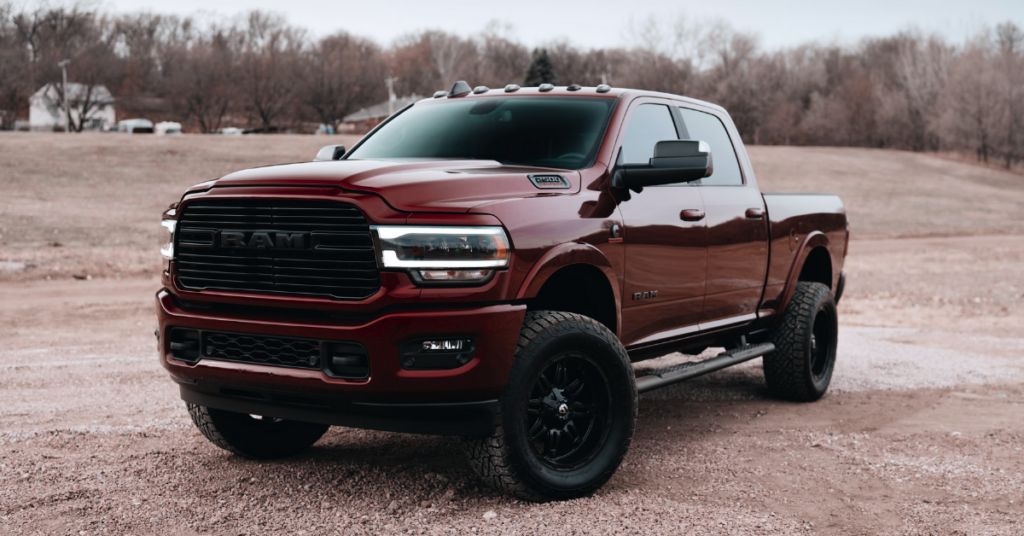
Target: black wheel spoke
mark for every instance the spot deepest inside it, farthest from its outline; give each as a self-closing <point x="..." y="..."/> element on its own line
<point x="570" y="431"/>
<point x="574" y="388"/>
<point x="566" y="411"/>
<point x="537" y="430"/>
<point x="560" y="374"/>
<point x="533" y="407"/>
<point x="554" y="437"/>
<point x="580" y="410"/>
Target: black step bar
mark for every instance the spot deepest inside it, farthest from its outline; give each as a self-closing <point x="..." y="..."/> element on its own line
<point x="655" y="379"/>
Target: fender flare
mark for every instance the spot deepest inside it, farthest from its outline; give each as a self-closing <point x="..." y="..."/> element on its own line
<point x="812" y="240"/>
<point x="564" y="255"/>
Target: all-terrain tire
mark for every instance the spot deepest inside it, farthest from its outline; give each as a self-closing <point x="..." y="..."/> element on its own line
<point x="560" y="347"/>
<point x="800" y="369"/>
<point x="256" y="438"/>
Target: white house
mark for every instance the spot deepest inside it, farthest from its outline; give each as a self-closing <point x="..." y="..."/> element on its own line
<point x="45" y="109"/>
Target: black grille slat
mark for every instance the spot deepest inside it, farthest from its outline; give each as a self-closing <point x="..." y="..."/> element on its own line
<point x="337" y="259"/>
<point x="244" y="348"/>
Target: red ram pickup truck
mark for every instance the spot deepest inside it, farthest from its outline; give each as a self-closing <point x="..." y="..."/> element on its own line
<point x="489" y="264"/>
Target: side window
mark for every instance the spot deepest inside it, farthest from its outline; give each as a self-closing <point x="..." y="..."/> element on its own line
<point x="649" y="124"/>
<point x="706" y="127"/>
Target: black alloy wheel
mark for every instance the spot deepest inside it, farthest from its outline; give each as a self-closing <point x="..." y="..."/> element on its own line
<point x="806" y="339"/>
<point x="568" y="413"/>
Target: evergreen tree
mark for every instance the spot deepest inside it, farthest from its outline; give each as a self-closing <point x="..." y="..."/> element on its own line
<point x="541" y="71"/>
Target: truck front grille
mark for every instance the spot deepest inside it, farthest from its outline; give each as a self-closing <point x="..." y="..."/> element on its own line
<point x="296" y="247"/>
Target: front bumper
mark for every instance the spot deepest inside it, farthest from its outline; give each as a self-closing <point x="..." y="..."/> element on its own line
<point x="452" y="418"/>
<point x="482" y="380"/>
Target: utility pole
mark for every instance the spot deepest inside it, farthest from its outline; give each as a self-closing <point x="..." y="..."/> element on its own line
<point x="390" y="82"/>
<point x="67" y="108"/>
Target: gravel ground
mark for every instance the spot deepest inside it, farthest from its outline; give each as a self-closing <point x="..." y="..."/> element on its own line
<point x="920" y="434"/>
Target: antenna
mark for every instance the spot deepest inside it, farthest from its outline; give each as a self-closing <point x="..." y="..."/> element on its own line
<point x="390" y="82"/>
<point x="64" y="89"/>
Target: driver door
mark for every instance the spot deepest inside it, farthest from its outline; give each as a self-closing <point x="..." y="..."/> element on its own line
<point x="665" y="239"/>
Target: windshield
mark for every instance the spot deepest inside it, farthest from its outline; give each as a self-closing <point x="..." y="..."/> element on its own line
<point x="557" y="132"/>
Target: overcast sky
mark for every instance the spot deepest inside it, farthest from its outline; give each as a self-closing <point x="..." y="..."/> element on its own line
<point x="600" y="23"/>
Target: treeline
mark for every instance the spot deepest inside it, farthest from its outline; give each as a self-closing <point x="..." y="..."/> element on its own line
<point x="907" y="91"/>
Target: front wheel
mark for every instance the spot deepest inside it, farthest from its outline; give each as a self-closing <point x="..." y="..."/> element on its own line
<point x="567" y="416"/>
<point x="800" y="369"/>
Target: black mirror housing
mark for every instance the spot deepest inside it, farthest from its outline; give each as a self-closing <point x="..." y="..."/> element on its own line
<point x="330" y="152"/>
<point x="673" y="162"/>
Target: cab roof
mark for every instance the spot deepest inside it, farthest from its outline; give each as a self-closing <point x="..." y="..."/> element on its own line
<point x="560" y="91"/>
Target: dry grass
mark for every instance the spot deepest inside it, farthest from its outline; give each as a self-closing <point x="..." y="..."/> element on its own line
<point x="896" y="193"/>
<point x="88" y="204"/>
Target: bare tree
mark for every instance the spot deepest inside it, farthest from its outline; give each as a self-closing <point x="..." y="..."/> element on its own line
<point x="502" y="60"/>
<point x="341" y="73"/>
<point x="203" y="86"/>
<point x="14" y="67"/>
<point x="1010" y="66"/>
<point x="971" y="101"/>
<point x="268" y="61"/>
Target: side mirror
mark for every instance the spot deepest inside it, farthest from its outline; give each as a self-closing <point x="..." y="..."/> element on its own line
<point x="331" y="152"/>
<point x="674" y="161"/>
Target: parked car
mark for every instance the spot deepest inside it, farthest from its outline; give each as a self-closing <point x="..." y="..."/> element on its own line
<point x="135" y="126"/>
<point x="231" y="131"/>
<point x="168" y="128"/>
<point x="489" y="264"/>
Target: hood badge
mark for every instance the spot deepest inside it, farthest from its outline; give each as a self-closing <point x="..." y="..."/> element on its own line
<point x="549" y="182"/>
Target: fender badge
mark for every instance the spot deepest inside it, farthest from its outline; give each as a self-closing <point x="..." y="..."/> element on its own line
<point x="549" y="182"/>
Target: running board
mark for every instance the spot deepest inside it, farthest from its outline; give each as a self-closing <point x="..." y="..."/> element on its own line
<point x="655" y="379"/>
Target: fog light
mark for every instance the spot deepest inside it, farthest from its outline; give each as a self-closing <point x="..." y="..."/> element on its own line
<point x="437" y="353"/>
<point x="444" y="345"/>
<point x="455" y="275"/>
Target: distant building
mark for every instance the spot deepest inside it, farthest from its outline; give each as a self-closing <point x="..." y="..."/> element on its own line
<point x="46" y="112"/>
<point x="369" y="117"/>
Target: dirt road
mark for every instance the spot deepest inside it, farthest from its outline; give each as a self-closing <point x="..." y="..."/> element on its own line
<point x="921" y="433"/>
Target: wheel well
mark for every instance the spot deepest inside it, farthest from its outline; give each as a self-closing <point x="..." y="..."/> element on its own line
<point x="581" y="289"/>
<point x="817" y="267"/>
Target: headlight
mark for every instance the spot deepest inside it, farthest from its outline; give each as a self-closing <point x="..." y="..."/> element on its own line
<point x="167" y="248"/>
<point x="444" y="254"/>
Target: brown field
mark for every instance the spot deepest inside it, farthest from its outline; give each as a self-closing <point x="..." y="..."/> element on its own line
<point x="921" y="433"/>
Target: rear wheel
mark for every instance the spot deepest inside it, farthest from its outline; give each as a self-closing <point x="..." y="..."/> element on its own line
<point x="568" y="413"/>
<point x="253" y="436"/>
<point x="800" y="369"/>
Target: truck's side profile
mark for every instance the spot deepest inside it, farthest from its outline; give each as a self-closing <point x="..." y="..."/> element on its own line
<point x="488" y="264"/>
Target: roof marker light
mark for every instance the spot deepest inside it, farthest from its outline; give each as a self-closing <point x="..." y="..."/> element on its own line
<point x="574" y="87"/>
<point x="511" y="87"/>
<point x="546" y="87"/>
<point x="604" y="88"/>
<point x="481" y="89"/>
<point x="439" y="94"/>
<point x="459" y="89"/>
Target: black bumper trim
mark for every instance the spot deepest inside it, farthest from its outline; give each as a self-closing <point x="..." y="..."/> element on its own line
<point x="840" y="286"/>
<point x="450" y="419"/>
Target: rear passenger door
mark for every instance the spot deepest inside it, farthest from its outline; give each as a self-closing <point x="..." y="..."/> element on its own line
<point x="737" y="225"/>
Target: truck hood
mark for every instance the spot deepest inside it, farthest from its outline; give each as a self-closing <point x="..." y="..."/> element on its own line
<point x="410" y="186"/>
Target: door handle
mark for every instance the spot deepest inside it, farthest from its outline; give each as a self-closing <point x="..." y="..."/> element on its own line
<point x="755" y="213"/>
<point x="691" y="214"/>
